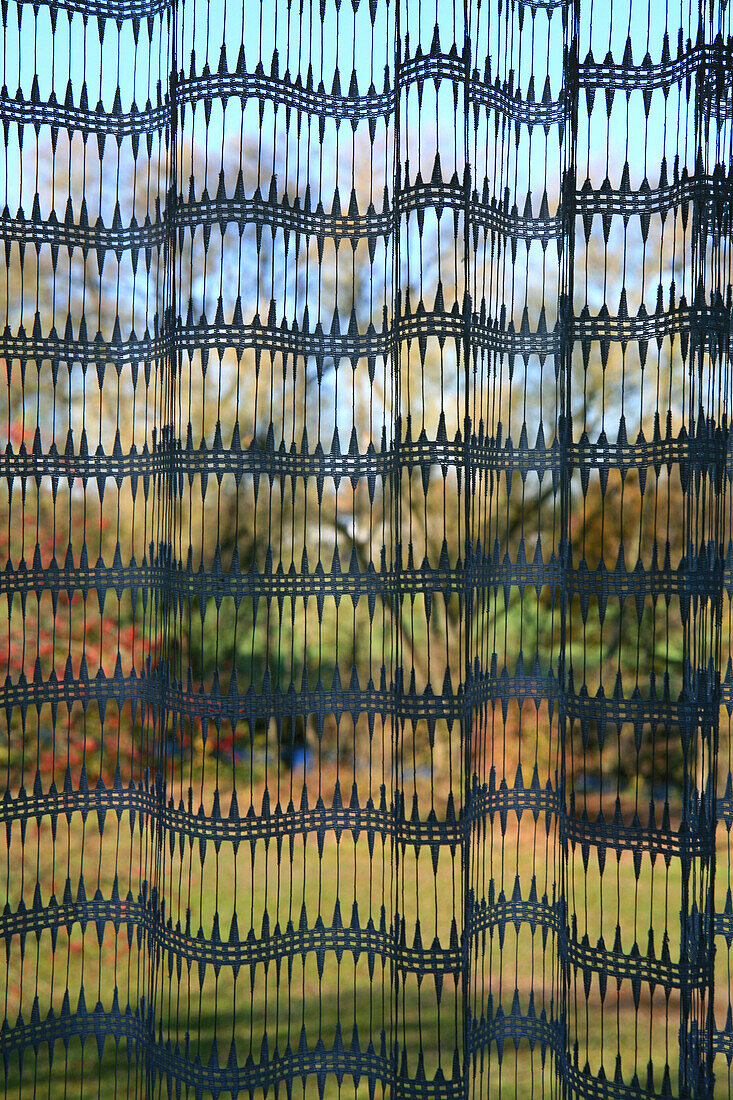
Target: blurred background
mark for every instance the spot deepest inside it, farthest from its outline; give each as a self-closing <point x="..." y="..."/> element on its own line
<point x="342" y="577"/>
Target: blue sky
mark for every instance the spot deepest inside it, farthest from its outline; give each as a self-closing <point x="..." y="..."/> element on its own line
<point x="346" y="37"/>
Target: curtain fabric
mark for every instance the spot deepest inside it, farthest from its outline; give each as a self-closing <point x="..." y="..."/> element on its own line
<point x="365" y="548"/>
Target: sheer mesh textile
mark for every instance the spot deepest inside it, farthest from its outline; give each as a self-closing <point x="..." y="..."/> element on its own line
<point x="364" y="468"/>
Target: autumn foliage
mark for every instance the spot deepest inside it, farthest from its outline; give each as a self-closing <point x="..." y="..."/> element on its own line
<point x="63" y="637"/>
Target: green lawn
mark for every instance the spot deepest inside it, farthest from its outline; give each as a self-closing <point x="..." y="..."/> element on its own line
<point x="426" y="1019"/>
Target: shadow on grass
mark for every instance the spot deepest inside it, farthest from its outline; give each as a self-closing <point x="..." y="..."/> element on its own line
<point x="120" y="1057"/>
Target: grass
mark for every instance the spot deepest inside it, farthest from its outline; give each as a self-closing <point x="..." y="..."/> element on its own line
<point x="202" y="1006"/>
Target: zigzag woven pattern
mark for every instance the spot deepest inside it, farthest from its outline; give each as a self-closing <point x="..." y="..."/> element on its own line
<point x="365" y="549"/>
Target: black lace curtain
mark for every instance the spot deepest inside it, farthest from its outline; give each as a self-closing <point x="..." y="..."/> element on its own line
<point x="364" y="548"/>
